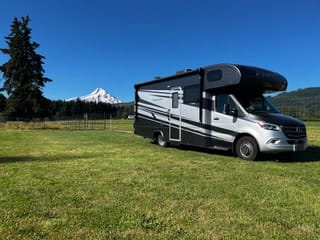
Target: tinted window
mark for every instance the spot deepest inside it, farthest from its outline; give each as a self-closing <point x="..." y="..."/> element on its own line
<point x="221" y="100"/>
<point x="175" y="100"/>
<point x="225" y="104"/>
<point x="215" y="75"/>
<point x="192" y="95"/>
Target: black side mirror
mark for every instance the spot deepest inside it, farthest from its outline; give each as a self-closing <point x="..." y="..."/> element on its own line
<point x="234" y="112"/>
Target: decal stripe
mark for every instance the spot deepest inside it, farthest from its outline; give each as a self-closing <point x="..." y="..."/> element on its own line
<point x="184" y="128"/>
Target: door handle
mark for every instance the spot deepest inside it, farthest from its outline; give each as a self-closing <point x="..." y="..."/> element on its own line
<point x="216" y="118"/>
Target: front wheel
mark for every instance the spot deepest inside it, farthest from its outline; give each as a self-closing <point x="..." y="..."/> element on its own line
<point x="247" y="148"/>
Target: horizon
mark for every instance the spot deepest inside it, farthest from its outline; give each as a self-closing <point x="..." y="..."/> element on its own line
<point x="115" y="45"/>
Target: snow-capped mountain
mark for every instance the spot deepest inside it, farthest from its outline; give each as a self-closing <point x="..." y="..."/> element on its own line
<point x="97" y="96"/>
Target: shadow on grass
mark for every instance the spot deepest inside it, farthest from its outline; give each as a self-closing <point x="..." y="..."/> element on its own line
<point x="16" y="159"/>
<point x="311" y="154"/>
<point x="204" y="150"/>
<point x="21" y="159"/>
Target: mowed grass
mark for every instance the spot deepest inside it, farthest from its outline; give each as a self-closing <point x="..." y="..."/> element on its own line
<point x="60" y="184"/>
<point x="80" y="124"/>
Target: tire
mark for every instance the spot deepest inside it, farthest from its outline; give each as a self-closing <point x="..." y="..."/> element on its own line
<point x="247" y="148"/>
<point x="161" y="140"/>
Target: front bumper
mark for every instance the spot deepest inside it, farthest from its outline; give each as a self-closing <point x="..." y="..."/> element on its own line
<point x="285" y="145"/>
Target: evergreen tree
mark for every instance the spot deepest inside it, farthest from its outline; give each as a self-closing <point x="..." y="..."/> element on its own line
<point x="23" y="73"/>
<point x="3" y="101"/>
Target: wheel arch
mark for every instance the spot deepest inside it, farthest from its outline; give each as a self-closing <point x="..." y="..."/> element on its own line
<point x="240" y="136"/>
<point x="155" y="134"/>
<point x="158" y="131"/>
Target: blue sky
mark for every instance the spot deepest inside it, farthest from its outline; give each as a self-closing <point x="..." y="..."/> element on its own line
<point x="116" y="44"/>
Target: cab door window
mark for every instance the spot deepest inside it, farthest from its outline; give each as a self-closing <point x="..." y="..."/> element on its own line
<point x="226" y="105"/>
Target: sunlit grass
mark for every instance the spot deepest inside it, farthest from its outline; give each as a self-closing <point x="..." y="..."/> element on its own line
<point x="77" y="124"/>
<point x="313" y="130"/>
<point x="62" y="184"/>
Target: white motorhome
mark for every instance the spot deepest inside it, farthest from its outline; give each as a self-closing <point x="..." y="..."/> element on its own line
<point x="218" y="107"/>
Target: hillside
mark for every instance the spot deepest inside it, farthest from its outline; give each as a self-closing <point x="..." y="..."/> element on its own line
<point x="302" y="103"/>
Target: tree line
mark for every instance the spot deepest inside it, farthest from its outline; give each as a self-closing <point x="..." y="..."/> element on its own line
<point x="24" y="79"/>
<point x="59" y="109"/>
<point x="76" y="109"/>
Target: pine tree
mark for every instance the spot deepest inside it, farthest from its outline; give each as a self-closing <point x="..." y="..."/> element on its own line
<point x="3" y="102"/>
<point x="23" y="74"/>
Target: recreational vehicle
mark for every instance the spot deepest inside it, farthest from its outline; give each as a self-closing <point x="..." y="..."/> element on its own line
<point x="218" y="107"/>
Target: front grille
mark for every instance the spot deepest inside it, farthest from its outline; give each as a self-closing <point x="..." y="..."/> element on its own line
<point x="294" y="131"/>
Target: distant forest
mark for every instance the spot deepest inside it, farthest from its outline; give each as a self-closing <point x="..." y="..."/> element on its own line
<point x="63" y="109"/>
<point x="302" y="103"/>
<point x="76" y="109"/>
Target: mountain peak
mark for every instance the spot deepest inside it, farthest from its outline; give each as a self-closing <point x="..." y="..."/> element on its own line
<point x="99" y="91"/>
<point x="97" y="96"/>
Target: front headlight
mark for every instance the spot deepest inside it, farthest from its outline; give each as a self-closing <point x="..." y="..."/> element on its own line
<point x="269" y="126"/>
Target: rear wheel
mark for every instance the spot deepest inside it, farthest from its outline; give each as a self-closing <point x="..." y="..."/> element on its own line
<point x="247" y="148"/>
<point x="161" y="140"/>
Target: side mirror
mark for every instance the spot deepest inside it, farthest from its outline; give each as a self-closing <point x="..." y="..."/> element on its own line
<point x="234" y="112"/>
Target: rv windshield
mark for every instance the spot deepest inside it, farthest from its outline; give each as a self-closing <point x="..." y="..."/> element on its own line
<point x="256" y="104"/>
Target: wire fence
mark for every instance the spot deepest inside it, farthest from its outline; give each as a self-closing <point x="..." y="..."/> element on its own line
<point x="82" y="122"/>
<point x="301" y="113"/>
<point x="87" y="121"/>
<point x="306" y="112"/>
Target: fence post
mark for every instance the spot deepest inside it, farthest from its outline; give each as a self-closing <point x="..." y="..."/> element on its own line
<point x="85" y="123"/>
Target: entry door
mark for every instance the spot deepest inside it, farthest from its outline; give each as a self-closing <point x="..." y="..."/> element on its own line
<point x="175" y="114"/>
<point x="223" y="119"/>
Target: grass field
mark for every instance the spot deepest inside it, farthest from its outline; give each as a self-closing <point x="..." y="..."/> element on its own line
<point x="62" y="184"/>
<point x="78" y="124"/>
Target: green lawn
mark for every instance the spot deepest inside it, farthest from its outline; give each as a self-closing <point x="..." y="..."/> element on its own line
<point x="78" y="124"/>
<point x="62" y="184"/>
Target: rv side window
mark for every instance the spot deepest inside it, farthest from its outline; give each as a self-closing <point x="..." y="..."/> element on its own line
<point x="215" y="75"/>
<point x="191" y="95"/>
<point x="175" y="100"/>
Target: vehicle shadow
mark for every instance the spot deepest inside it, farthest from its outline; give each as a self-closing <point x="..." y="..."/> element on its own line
<point x="311" y="154"/>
